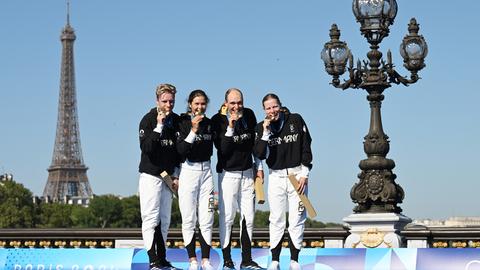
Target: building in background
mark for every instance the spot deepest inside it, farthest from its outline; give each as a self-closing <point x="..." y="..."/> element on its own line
<point x="450" y="222"/>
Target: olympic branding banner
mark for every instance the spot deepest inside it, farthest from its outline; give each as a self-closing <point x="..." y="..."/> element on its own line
<point x="310" y="259"/>
<point x="66" y="259"/>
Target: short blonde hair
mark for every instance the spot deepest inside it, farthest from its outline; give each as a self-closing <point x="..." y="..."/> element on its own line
<point x="165" y="88"/>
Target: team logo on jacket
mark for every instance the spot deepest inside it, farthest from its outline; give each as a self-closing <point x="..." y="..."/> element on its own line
<point x="141" y="133"/>
<point x="292" y="128"/>
<point x="291" y="138"/>
<point x="242" y="137"/>
<point x="203" y="137"/>
<point x="166" y="142"/>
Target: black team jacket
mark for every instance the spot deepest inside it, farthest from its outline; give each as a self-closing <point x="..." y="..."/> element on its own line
<point x="235" y="153"/>
<point x="289" y="144"/>
<point x="201" y="149"/>
<point x="159" y="151"/>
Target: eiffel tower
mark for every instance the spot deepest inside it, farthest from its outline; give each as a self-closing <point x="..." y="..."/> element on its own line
<point x="67" y="175"/>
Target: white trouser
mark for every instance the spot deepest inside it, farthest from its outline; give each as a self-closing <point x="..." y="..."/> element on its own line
<point x="195" y="195"/>
<point x="281" y="192"/>
<point x="236" y="190"/>
<point x="155" y="207"/>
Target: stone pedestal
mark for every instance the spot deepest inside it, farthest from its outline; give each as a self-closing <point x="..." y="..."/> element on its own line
<point x="375" y="230"/>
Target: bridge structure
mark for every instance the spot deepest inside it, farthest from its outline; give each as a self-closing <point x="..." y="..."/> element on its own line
<point x="416" y="236"/>
<point x="323" y="248"/>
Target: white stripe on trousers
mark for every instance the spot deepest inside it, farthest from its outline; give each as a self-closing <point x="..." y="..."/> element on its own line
<point x="281" y="192"/>
<point x="155" y="207"/>
<point x="236" y="190"/>
<point x="195" y="196"/>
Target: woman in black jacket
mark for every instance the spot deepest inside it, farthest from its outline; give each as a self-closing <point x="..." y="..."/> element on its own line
<point x="195" y="193"/>
<point x="284" y="141"/>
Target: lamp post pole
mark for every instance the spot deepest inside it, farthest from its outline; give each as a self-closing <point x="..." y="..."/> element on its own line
<point x="377" y="217"/>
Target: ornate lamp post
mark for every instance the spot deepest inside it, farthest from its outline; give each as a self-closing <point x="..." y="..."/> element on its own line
<point x="376" y="192"/>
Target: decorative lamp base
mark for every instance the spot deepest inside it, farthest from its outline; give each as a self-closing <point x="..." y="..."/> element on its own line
<point x="376" y="230"/>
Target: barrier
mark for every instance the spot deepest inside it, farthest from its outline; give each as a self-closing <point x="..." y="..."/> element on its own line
<point x="310" y="259"/>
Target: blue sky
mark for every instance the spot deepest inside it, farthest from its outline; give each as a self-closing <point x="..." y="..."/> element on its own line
<point x="125" y="48"/>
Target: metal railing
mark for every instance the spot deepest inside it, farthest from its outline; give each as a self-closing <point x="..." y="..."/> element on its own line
<point x="415" y="237"/>
<point x="106" y="238"/>
<point x="441" y="237"/>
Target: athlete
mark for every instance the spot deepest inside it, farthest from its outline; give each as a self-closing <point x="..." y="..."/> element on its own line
<point x="157" y="133"/>
<point x="284" y="141"/>
<point x="195" y="193"/>
<point x="235" y="129"/>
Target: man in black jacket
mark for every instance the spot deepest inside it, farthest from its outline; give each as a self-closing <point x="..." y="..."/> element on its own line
<point x="157" y="132"/>
<point x="234" y="127"/>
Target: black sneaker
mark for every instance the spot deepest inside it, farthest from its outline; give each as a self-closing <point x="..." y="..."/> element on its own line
<point x="228" y="265"/>
<point x="163" y="265"/>
<point x="250" y="265"/>
<point x="154" y="266"/>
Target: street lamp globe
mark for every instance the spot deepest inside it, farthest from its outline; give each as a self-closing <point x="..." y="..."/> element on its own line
<point x="335" y="53"/>
<point x="375" y="17"/>
<point x="413" y="49"/>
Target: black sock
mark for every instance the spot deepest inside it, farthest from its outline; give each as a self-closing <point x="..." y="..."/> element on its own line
<point x="160" y="244"/>
<point x="276" y="252"/>
<point x="246" y="243"/>
<point x="227" y="254"/>
<point x="191" y="247"/>
<point x="293" y="251"/>
<point x="152" y="254"/>
<point x="204" y="247"/>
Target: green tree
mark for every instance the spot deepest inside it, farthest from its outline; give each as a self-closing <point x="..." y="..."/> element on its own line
<point x="106" y="209"/>
<point x="130" y="217"/>
<point x="82" y="217"/>
<point x="332" y="224"/>
<point x="16" y="206"/>
<point x="54" y="215"/>
<point x="176" y="218"/>
<point x="261" y="219"/>
<point x="311" y="223"/>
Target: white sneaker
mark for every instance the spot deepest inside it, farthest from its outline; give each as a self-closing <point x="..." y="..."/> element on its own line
<point x="207" y="266"/>
<point x="193" y="265"/>
<point x="274" y="266"/>
<point x="295" y="265"/>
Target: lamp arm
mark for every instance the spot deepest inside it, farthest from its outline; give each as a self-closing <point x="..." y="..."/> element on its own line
<point x="395" y="77"/>
<point x="354" y="80"/>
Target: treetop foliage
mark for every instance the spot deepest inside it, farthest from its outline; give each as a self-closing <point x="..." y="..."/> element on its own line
<point x="104" y="211"/>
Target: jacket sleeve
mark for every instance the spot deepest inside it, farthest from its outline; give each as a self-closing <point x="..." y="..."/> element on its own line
<point x="183" y="147"/>
<point x="306" y="145"/>
<point x="226" y="142"/>
<point x="260" y="146"/>
<point x="222" y="142"/>
<point x="252" y="123"/>
<point x="148" y="138"/>
<point x="178" y="158"/>
<point x="216" y="128"/>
